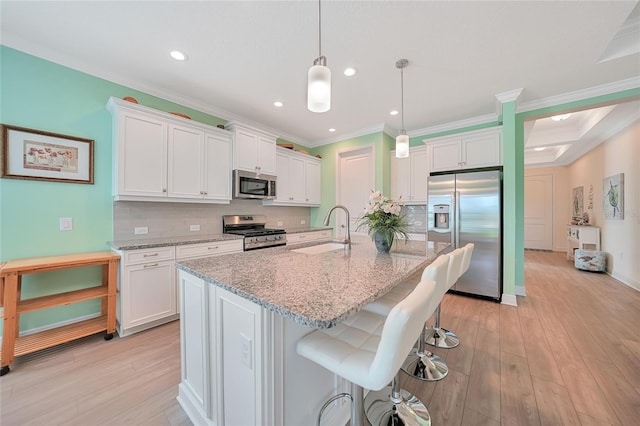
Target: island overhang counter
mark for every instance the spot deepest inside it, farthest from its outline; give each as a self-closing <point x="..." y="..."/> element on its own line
<point x="242" y="314"/>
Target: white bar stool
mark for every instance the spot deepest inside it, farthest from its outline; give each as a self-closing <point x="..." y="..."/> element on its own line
<point x="421" y="363"/>
<point x="368" y="349"/>
<point x="436" y="335"/>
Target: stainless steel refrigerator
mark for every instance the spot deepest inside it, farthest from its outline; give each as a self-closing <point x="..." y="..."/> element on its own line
<point x="466" y="207"/>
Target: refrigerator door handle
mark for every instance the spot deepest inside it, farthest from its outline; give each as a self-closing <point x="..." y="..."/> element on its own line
<point x="454" y="219"/>
<point x="456" y="230"/>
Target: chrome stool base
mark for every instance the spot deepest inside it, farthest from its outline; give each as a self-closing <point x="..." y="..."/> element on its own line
<point x="381" y="411"/>
<point x="428" y="367"/>
<point x="441" y="338"/>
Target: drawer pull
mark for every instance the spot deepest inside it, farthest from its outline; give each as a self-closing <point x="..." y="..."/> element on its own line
<point x="152" y="265"/>
<point x="213" y="248"/>
<point x="150" y="255"/>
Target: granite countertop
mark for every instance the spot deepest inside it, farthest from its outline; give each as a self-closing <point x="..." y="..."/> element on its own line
<point x="317" y="290"/>
<point x="145" y="243"/>
<point x="301" y="229"/>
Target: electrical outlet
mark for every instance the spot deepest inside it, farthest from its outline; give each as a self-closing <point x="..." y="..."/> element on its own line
<point x="140" y="230"/>
<point x="66" y="224"/>
<point x="279" y="223"/>
<point x="194" y="227"/>
<point x="246" y="350"/>
<point x="303" y="222"/>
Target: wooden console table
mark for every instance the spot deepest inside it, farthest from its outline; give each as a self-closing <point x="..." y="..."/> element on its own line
<point x="11" y="274"/>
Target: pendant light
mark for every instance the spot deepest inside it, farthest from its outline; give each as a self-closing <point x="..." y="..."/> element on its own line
<point x="319" y="78"/>
<point x="402" y="140"/>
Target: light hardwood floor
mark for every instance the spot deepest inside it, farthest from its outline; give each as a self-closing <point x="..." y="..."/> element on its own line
<point x="569" y="354"/>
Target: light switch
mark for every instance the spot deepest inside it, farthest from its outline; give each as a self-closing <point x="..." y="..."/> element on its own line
<point x="66" y="224"/>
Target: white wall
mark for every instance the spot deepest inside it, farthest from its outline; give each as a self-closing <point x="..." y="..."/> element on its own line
<point x="561" y="212"/>
<point x="620" y="239"/>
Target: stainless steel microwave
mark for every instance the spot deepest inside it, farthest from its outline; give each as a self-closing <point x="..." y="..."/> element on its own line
<point x="253" y="185"/>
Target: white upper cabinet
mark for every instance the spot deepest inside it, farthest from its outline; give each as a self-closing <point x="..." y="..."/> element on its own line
<point x="160" y="157"/>
<point x="141" y="155"/>
<point x="481" y="148"/>
<point x="298" y="181"/>
<point x="409" y="176"/>
<point x="253" y="149"/>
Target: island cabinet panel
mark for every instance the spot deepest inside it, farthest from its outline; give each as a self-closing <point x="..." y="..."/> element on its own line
<point x="234" y="354"/>
<point x="223" y="355"/>
<point x="196" y="374"/>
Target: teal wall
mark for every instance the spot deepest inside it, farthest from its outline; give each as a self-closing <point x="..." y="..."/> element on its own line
<point x="38" y="94"/>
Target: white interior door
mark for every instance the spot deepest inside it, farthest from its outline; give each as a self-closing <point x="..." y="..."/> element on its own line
<point x="538" y="212"/>
<point x="355" y="181"/>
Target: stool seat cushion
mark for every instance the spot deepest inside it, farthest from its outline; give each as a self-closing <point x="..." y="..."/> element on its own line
<point x="368" y="349"/>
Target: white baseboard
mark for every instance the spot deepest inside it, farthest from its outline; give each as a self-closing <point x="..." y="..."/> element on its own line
<point x="520" y="290"/>
<point x="509" y="299"/>
<point x="626" y="281"/>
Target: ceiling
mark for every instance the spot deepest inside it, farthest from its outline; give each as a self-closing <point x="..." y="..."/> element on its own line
<point x="243" y="56"/>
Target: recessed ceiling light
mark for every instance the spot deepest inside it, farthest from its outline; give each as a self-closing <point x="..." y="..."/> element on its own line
<point x="332" y="130"/>
<point x="560" y="117"/>
<point x="350" y="72"/>
<point x="394" y="112"/>
<point x="540" y="148"/>
<point x="278" y="104"/>
<point x="178" y="55"/>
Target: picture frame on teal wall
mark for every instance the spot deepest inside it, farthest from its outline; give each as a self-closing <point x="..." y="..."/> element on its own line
<point x="39" y="155"/>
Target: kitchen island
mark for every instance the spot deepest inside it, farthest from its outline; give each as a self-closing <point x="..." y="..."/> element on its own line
<point x="242" y="314"/>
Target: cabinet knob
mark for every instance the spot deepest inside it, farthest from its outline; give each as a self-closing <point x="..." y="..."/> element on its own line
<point x="164" y="189"/>
<point x="205" y="193"/>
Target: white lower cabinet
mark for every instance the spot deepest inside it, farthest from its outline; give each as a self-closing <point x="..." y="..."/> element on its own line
<point x="305" y="237"/>
<point x="240" y="365"/>
<point x="148" y="294"/>
<point x="146" y="289"/>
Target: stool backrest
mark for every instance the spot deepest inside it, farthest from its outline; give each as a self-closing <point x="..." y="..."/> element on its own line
<point x="400" y="331"/>
<point x="437" y="271"/>
<point x="454" y="267"/>
<point x="466" y="258"/>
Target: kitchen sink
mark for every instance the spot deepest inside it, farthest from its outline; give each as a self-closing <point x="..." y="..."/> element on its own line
<point x="320" y="248"/>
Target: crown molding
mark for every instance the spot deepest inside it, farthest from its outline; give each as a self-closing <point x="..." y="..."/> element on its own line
<point x="357" y="133"/>
<point x="454" y="125"/>
<point x="578" y="95"/>
<point x="509" y="96"/>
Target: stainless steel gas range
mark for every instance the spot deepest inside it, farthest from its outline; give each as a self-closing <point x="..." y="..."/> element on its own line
<point x="252" y="227"/>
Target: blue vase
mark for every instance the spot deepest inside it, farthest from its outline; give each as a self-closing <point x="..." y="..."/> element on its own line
<point x="381" y="243"/>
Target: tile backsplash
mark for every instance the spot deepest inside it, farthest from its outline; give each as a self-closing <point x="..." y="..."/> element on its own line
<point x="175" y="219"/>
<point x="416" y="217"/>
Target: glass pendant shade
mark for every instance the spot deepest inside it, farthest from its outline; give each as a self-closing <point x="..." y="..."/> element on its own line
<point x="319" y="89"/>
<point x="402" y="146"/>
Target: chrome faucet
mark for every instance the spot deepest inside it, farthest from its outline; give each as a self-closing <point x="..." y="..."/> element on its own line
<point x="347" y="240"/>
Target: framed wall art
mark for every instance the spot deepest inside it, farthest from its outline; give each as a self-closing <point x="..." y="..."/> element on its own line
<point x="577" y="202"/>
<point x="38" y="155"/>
<point x="613" y="196"/>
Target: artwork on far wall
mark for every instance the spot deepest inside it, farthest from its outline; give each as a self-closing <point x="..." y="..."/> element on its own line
<point x="38" y="155"/>
<point x="613" y="196"/>
<point x="578" y="203"/>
